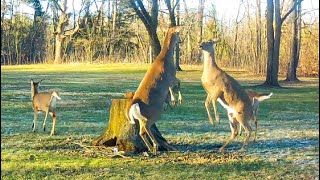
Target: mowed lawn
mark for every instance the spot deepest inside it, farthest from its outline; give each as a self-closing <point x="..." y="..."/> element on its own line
<point x="287" y="144"/>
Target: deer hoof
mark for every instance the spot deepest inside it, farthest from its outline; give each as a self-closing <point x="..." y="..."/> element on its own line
<point x="32" y="126"/>
<point x="180" y="101"/>
<point x="44" y="128"/>
<point x="173" y="103"/>
<point x="221" y="150"/>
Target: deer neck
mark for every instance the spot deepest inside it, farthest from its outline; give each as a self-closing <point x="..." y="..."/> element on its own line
<point x="34" y="91"/>
<point x="209" y="61"/>
<point x="166" y="53"/>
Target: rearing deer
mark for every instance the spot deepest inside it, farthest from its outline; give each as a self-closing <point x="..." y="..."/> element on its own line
<point x="43" y="101"/>
<point x="147" y="103"/>
<point x="219" y="84"/>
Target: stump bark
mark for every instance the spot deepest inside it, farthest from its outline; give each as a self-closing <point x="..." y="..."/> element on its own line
<point x="124" y="135"/>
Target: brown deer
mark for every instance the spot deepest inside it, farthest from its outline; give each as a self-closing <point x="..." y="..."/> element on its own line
<point x="218" y="84"/>
<point x="170" y="100"/>
<point x="255" y="99"/>
<point x="44" y="101"/>
<point x="148" y="100"/>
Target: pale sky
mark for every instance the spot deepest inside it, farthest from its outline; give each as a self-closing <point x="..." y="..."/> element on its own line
<point x="226" y="9"/>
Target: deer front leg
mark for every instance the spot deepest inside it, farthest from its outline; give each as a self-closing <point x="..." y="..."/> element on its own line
<point x="207" y="105"/>
<point x="214" y="98"/>
<point x="35" y="115"/>
<point x="173" y="100"/>
<point x="45" y="119"/>
<point x="180" y="97"/>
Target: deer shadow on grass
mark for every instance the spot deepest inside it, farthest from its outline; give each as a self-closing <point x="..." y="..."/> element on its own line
<point x="260" y="146"/>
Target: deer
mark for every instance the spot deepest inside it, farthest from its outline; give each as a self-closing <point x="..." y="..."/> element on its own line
<point x="44" y="101"/>
<point x="147" y="102"/>
<point x="255" y="99"/>
<point x="170" y="100"/>
<point x="220" y="85"/>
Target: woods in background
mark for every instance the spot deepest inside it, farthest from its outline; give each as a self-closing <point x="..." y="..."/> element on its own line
<point x="107" y="31"/>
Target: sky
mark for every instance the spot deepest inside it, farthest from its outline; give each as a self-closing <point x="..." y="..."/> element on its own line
<point x="226" y="9"/>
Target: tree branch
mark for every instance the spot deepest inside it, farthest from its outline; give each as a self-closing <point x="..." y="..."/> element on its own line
<point x="139" y="13"/>
<point x="288" y="13"/>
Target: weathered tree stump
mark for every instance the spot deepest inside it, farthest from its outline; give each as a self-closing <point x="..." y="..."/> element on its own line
<point x="124" y="135"/>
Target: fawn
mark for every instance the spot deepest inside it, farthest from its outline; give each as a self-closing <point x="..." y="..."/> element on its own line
<point x="44" y="101"/>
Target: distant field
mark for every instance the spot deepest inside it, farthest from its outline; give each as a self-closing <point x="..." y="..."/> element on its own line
<point x="287" y="144"/>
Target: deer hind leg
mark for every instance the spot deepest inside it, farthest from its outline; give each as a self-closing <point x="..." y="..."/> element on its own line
<point x="241" y="119"/>
<point x="207" y="105"/>
<point x="54" y="119"/>
<point x="142" y="134"/>
<point x="45" y="119"/>
<point x="233" y="126"/>
<point x="34" y="120"/>
<point x="154" y="142"/>
<point x="256" y="125"/>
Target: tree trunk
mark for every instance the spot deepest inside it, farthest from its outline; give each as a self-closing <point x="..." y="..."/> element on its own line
<point x="178" y="68"/>
<point x="124" y="135"/>
<point x="258" y="36"/>
<point x="58" y="50"/>
<point x="294" y="59"/>
<point x="272" y="74"/>
<point x="200" y="28"/>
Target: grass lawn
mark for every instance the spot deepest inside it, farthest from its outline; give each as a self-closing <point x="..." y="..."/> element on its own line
<point x="287" y="144"/>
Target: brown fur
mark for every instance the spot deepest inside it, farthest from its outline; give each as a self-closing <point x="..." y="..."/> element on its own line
<point x="219" y="84"/>
<point x="43" y="101"/>
<point x="255" y="99"/>
<point x="169" y="102"/>
<point x="154" y="87"/>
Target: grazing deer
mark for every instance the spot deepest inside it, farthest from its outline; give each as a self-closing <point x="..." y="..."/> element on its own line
<point x="148" y="100"/>
<point x="44" y="101"/>
<point x="218" y="84"/>
<point x="255" y="99"/>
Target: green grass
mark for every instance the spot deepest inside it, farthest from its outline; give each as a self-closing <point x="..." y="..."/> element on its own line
<point x="287" y="144"/>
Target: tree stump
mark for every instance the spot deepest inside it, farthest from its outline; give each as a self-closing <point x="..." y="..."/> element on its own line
<point x="124" y="135"/>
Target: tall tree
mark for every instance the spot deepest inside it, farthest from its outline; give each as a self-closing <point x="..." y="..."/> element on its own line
<point x="274" y="39"/>
<point x="258" y="36"/>
<point x="200" y="26"/>
<point x="150" y="21"/>
<point x="295" y="45"/>
<point x="174" y="21"/>
<point x="60" y="32"/>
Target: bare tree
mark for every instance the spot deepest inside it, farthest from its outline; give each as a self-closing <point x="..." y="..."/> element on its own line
<point x="150" y="21"/>
<point x="296" y="41"/>
<point x="200" y="26"/>
<point x="60" y="32"/>
<point x="174" y="21"/>
<point x="258" y="36"/>
<point x="273" y="40"/>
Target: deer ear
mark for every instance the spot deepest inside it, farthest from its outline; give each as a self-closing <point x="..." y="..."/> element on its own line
<point x="177" y="28"/>
<point x="215" y="40"/>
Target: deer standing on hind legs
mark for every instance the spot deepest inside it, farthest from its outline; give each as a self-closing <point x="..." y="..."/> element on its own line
<point x="218" y="84"/>
<point x="147" y="103"/>
<point x="43" y="101"/>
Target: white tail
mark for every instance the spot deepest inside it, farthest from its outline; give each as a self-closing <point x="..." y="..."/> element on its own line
<point x="261" y="98"/>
